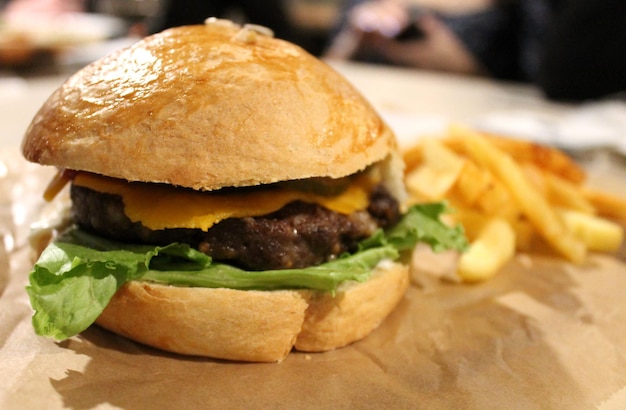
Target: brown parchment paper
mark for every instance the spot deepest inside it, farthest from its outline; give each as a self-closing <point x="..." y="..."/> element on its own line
<point x="542" y="334"/>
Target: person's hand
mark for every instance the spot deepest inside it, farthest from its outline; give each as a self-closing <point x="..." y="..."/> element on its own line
<point x="385" y="18"/>
<point x="373" y="25"/>
<point x="439" y="49"/>
<point x="367" y="23"/>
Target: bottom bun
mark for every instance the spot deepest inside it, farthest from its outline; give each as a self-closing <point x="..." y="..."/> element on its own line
<point x="257" y="326"/>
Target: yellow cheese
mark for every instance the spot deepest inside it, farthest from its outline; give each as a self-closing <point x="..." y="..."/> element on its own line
<point x="161" y="206"/>
<point x="61" y="178"/>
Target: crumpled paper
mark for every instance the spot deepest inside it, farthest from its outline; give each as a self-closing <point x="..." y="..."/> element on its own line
<point x="590" y="126"/>
<point x="543" y="334"/>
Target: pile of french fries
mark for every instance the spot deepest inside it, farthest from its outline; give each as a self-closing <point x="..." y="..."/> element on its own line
<point x="512" y="196"/>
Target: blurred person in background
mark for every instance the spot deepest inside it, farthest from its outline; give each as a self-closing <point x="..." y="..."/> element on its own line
<point x="406" y="33"/>
<point x="268" y="13"/>
<point x="572" y="49"/>
<point x="151" y="16"/>
<point x="584" y="53"/>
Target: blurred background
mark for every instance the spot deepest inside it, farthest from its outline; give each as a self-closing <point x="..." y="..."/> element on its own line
<point x="573" y="50"/>
<point x="36" y="33"/>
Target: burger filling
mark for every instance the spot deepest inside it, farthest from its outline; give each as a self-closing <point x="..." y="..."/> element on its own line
<point x="298" y="235"/>
<point x="271" y="226"/>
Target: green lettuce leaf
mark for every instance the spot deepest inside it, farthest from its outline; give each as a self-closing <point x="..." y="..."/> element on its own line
<point x="78" y="274"/>
<point x="422" y="223"/>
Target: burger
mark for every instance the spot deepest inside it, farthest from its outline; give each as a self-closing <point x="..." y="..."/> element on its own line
<point x="232" y="196"/>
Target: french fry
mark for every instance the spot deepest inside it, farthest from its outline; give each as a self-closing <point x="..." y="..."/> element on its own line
<point x="476" y="187"/>
<point x="497" y="200"/>
<point x="607" y="205"/>
<point x="536" y="177"/>
<point x="566" y="194"/>
<point x="513" y="195"/>
<point x="493" y="247"/>
<point x="472" y="183"/>
<point x="525" y="235"/>
<point x="437" y="173"/>
<point x="548" y="158"/>
<point x="558" y="191"/>
<point x="532" y="204"/>
<point x="474" y="221"/>
<point x="412" y="157"/>
<point x="597" y="233"/>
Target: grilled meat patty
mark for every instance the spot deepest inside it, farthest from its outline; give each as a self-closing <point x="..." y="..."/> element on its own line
<point x="298" y="235"/>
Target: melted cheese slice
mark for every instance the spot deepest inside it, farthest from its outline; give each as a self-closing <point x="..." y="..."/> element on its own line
<point x="162" y="206"/>
<point x="58" y="182"/>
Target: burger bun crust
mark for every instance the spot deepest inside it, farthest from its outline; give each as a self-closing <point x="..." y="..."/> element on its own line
<point x="253" y="326"/>
<point x="206" y="107"/>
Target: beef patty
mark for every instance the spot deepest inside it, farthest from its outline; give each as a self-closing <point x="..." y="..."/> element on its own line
<point x="298" y="235"/>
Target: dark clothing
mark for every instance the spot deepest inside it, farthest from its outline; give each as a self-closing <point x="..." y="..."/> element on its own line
<point x="585" y="51"/>
<point x="493" y="35"/>
<point x="268" y="13"/>
<point x="572" y="49"/>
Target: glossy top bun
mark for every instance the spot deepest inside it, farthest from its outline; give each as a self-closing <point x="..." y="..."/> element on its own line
<point x="206" y="107"/>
